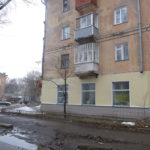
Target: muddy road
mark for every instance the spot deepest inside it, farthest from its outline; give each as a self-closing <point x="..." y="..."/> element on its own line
<point x="41" y="134"/>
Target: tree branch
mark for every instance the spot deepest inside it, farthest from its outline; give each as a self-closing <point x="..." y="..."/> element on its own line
<point x="4" y="4"/>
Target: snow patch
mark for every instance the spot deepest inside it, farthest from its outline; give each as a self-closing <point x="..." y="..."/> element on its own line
<point x="38" y="106"/>
<point x="25" y="108"/>
<point x="128" y="123"/>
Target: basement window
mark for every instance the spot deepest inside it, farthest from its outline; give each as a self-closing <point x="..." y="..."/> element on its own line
<point x="121" y="93"/>
<point x="88" y="94"/>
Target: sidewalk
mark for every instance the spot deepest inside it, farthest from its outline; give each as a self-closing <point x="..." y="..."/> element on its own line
<point x="106" y="123"/>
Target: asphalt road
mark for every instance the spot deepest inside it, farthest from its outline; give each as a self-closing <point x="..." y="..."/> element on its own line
<point x="65" y="135"/>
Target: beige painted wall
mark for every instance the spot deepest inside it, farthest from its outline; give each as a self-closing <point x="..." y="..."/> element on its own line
<point x="139" y="89"/>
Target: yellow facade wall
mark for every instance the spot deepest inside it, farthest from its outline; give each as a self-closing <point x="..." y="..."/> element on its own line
<point x="139" y="89"/>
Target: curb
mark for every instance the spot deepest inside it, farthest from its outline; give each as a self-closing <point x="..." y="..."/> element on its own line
<point x="5" y="125"/>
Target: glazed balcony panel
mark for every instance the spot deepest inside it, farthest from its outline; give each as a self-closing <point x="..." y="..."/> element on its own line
<point x="87" y="59"/>
<point x="86" y="27"/>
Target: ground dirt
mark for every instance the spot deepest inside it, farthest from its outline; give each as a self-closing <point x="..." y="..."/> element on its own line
<point x="52" y="134"/>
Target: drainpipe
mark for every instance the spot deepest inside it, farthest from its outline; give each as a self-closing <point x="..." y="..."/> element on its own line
<point x="45" y="3"/>
<point x="140" y="36"/>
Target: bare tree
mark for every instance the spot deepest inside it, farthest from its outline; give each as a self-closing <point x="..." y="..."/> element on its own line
<point x="31" y="85"/>
<point x="5" y="5"/>
<point x="11" y="87"/>
<point x="60" y="68"/>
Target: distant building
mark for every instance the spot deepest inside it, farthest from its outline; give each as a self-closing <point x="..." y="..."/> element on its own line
<point x="2" y="84"/>
<point x="105" y="47"/>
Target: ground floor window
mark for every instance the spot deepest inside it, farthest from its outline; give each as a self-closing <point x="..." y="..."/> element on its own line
<point x="88" y="93"/>
<point x="121" y="93"/>
<point x="61" y="94"/>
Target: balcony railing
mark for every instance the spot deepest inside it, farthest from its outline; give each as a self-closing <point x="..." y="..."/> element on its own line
<point x="87" y="59"/>
<point x="83" y="3"/>
<point x="87" y="26"/>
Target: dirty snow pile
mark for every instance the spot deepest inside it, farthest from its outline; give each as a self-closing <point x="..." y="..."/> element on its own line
<point x="128" y="123"/>
<point x="25" y="108"/>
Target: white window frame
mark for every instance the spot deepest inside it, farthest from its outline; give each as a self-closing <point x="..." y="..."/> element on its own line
<point x="67" y="36"/>
<point x="93" y="22"/>
<point x="62" y="92"/>
<point x="120" y="20"/>
<point x="121" y="49"/>
<point x="120" y="90"/>
<point x="87" y="91"/>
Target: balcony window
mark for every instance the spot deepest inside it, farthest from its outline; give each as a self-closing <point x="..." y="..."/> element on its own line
<point x="87" y="53"/>
<point x="86" y="21"/>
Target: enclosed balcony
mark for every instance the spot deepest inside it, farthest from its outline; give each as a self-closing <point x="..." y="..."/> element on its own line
<point x="87" y="59"/>
<point x="87" y="27"/>
<point x="81" y="4"/>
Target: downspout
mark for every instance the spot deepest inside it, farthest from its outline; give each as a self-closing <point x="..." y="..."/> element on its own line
<point x="140" y="36"/>
<point x="43" y="55"/>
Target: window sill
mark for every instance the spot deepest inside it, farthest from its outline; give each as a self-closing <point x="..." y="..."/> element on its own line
<point x="121" y="60"/>
<point x="64" y="68"/>
<point x="61" y="103"/>
<point x="65" y="11"/>
<point x="120" y="106"/>
<point x="65" y="39"/>
<point x="88" y="105"/>
<point x="121" y="23"/>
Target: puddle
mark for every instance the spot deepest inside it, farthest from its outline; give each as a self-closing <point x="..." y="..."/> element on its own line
<point x="12" y="141"/>
<point x="15" y="140"/>
<point x="19" y="143"/>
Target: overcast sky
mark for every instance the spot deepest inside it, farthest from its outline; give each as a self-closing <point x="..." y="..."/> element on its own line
<point x="21" y="41"/>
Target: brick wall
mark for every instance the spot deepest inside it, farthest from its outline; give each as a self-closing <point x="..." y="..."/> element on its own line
<point x="2" y="86"/>
<point x="110" y="35"/>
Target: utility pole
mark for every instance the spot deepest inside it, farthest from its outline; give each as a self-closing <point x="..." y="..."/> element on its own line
<point x="65" y="95"/>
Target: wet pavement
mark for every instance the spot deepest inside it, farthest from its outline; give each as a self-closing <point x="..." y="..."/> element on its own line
<point x="41" y="134"/>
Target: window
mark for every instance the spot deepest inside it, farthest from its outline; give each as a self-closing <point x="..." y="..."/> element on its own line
<point x="88" y="93"/>
<point x="86" y="21"/>
<point x="120" y="15"/>
<point x="61" y="94"/>
<point x="66" y="5"/>
<point x="121" y="52"/>
<point x="66" y="33"/>
<point x="120" y="91"/>
<point x="65" y="61"/>
<point x="87" y="53"/>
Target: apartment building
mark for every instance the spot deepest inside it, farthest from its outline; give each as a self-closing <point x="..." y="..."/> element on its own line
<point x="103" y="48"/>
<point x="2" y="84"/>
